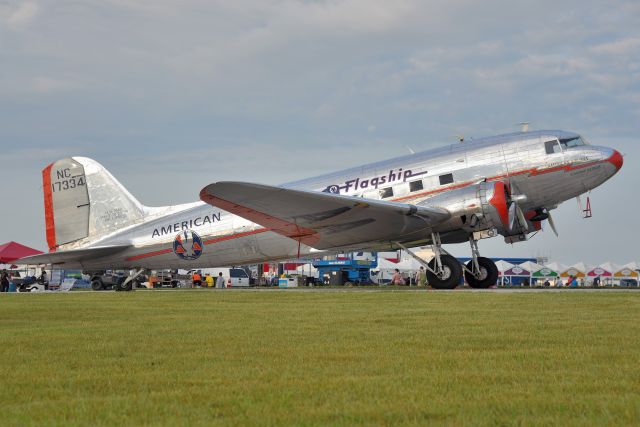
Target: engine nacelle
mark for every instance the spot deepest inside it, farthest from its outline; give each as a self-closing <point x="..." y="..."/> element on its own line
<point x="476" y="208"/>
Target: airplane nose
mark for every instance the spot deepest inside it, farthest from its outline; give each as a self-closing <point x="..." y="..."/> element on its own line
<point x="616" y="159"/>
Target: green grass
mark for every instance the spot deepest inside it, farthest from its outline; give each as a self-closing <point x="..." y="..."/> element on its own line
<point x="328" y="358"/>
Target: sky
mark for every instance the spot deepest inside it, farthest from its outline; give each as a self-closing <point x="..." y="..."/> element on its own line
<point x="171" y="96"/>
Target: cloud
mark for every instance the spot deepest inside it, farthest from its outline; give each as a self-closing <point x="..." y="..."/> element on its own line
<point x="239" y="88"/>
<point x="20" y="15"/>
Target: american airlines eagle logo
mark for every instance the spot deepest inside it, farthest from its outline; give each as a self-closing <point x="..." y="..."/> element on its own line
<point x="187" y="245"/>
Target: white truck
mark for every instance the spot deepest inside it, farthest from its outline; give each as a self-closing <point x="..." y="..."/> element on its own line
<point x="233" y="277"/>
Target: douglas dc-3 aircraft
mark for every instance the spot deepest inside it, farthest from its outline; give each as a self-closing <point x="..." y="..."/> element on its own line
<point x="504" y="184"/>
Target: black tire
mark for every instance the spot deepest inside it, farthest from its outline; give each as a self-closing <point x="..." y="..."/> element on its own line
<point x="453" y="273"/>
<point x="97" y="285"/>
<point x="120" y="286"/>
<point x="489" y="272"/>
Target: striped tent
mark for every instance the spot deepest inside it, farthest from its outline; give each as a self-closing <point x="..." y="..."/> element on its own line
<point x="627" y="271"/>
<point x="578" y="270"/>
<point x="603" y="270"/>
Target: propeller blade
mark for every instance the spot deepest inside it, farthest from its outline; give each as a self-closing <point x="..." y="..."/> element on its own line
<point x="512" y="216"/>
<point x="521" y="218"/>
<point x="516" y="214"/>
<point x="551" y="223"/>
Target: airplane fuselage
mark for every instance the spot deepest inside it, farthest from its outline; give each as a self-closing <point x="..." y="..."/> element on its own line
<point x="545" y="167"/>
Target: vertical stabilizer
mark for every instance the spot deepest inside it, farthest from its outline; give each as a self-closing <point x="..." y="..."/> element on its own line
<point x="84" y="202"/>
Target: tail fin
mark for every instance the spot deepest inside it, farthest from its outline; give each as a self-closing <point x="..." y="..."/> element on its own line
<point x="83" y="202"/>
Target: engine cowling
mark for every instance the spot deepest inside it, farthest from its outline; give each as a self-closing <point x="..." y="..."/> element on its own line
<point x="478" y="207"/>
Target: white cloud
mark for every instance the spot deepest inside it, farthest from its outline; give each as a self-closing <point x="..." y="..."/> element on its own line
<point x="257" y="82"/>
<point x="20" y="15"/>
<point x="622" y="46"/>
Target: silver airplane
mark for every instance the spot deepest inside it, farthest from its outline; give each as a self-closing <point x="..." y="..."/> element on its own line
<point x="505" y="184"/>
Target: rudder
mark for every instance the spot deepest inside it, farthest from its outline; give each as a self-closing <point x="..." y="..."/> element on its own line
<point x="84" y="202"/>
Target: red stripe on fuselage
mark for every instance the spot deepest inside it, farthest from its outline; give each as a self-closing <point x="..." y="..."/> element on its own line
<point x="206" y="242"/>
<point x="48" y="208"/>
<point x="234" y="236"/>
<point x="150" y="254"/>
<point x="531" y="172"/>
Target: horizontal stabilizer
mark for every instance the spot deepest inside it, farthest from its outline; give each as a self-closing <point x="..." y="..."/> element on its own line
<point x="75" y="255"/>
<point x="323" y="220"/>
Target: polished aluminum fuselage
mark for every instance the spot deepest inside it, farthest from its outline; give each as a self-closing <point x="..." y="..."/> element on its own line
<point x="520" y="159"/>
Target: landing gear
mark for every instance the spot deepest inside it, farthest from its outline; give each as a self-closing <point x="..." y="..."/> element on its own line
<point x="447" y="276"/>
<point x="131" y="282"/>
<point x="443" y="271"/>
<point x="486" y="276"/>
<point x="480" y="272"/>
<point x="121" y="286"/>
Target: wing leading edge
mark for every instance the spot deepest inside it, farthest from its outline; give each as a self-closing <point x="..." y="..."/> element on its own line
<point x="323" y="220"/>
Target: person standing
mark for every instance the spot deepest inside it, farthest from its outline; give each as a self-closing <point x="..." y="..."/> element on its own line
<point x="4" y="281"/>
<point x="209" y="280"/>
<point x="220" y="281"/>
<point x="197" y="279"/>
<point x="422" y="277"/>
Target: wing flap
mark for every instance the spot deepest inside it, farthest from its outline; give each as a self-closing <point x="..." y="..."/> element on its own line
<point x="75" y="255"/>
<point x="323" y="220"/>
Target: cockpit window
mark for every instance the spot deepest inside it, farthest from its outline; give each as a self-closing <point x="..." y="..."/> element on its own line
<point x="552" y="147"/>
<point x="572" y="142"/>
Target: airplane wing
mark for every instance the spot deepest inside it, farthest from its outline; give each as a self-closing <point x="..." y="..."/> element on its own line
<point x="323" y="220"/>
<point x="76" y="255"/>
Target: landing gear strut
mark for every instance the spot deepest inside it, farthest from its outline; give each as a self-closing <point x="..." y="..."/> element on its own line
<point x="480" y="272"/>
<point x="130" y="282"/>
<point x="443" y="271"/>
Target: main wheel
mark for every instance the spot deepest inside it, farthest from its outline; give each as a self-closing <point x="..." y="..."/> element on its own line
<point x="451" y="273"/>
<point x="97" y="285"/>
<point x="488" y="274"/>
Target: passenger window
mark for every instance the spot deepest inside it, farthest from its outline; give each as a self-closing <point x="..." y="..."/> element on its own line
<point x="415" y="186"/>
<point x="385" y="193"/>
<point x="446" y="179"/>
<point x="552" y="147"/>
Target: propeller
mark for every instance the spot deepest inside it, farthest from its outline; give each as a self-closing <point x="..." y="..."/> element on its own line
<point x="515" y="211"/>
<point x="542" y="214"/>
<point x="551" y="223"/>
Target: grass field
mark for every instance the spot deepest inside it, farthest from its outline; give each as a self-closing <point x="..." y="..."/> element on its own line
<point x="326" y="358"/>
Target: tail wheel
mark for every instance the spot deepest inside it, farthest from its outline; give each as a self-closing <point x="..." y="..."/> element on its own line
<point x="122" y="287"/>
<point x="450" y="276"/>
<point x="96" y="285"/>
<point x="488" y="274"/>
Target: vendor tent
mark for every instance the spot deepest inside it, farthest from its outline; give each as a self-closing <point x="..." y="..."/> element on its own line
<point x="503" y="266"/>
<point x="627" y="271"/>
<point x="516" y="275"/>
<point x="544" y="272"/>
<point x="557" y="267"/>
<point x="603" y="270"/>
<point x="576" y="270"/>
<point x="12" y="251"/>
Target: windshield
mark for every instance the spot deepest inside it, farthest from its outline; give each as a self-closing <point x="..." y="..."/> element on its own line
<point x="572" y="142"/>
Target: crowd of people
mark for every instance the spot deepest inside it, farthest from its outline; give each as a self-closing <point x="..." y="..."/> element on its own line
<point x="198" y="281"/>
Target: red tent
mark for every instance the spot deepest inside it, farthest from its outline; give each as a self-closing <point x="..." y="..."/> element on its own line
<point x="12" y="251"/>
